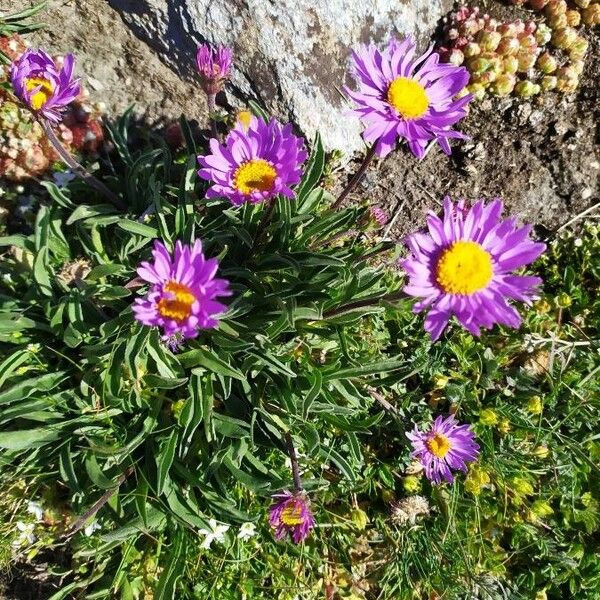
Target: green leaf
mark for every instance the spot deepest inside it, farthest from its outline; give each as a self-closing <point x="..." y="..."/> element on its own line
<point x="384" y="366"/>
<point x="138" y="228"/>
<point x="28" y="438"/>
<point x="164" y="460"/>
<point x="206" y="358"/>
<point x="165" y="590"/>
<point x="313" y="170"/>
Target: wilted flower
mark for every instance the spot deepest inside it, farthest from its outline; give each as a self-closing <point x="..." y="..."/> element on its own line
<point x="447" y="445"/>
<point x="464" y="266"/>
<point x="256" y="162"/>
<point x="290" y="513"/>
<point x="182" y="298"/>
<point x="399" y="97"/>
<point x="215" y="533"/>
<point x="408" y="509"/>
<point x="41" y="85"/>
<point x="214" y="65"/>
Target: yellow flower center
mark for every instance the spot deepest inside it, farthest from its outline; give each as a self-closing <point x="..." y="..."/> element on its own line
<point x="408" y="97"/>
<point x="256" y="175"/>
<point x="292" y="514"/>
<point x="39" y="98"/>
<point x="178" y="308"/>
<point x="464" y="268"/>
<point x="244" y="117"/>
<point x="439" y="445"/>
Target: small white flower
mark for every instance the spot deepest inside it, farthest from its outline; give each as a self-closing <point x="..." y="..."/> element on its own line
<point x="26" y="537"/>
<point x="215" y="533"/>
<point x="35" y="509"/>
<point x="93" y="526"/>
<point x="247" y="530"/>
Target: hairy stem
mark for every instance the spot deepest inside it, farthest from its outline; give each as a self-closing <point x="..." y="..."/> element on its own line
<point x="211" y="100"/>
<point x="294" y="460"/>
<point x="78" y="169"/>
<point x="356" y="178"/>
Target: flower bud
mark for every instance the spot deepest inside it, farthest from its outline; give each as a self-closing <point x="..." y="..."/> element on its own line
<point x="527" y="89"/>
<point x="558" y="21"/>
<point x="471" y="49"/>
<point x="567" y="81"/>
<point x="535" y="405"/>
<point x="541" y="508"/>
<point x="578" y="49"/>
<point x="488" y="40"/>
<point x="411" y="484"/>
<point x="543" y="34"/>
<point x="526" y="60"/>
<point x="555" y="7"/>
<point x="591" y="14"/>
<point x="488" y="417"/>
<point x="573" y="18"/>
<point x="504" y="426"/>
<point x="546" y="63"/>
<point x="504" y="84"/>
<point x="564" y="300"/>
<point x="508" y="46"/>
<point x="476" y="479"/>
<point x="564" y="38"/>
<point x="360" y="518"/>
<point x="440" y="381"/>
<point x="541" y="451"/>
<point x="510" y="64"/>
<point x="455" y="57"/>
<point x="521" y="486"/>
<point x="542" y="306"/>
<point x="548" y="82"/>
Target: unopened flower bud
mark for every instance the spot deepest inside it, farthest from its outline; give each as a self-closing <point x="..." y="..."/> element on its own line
<point x="504" y="426"/>
<point x="541" y="508"/>
<point x="527" y="89"/>
<point x="510" y="64"/>
<point x="488" y="417"/>
<point x="555" y="7"/>
<point x="455" y="57"/>
<point x="541" y="451"/>
<point x="526" y="60"/>
<point x="564" y="300"/>
<point x="543" y="34"/>
<point x="573" y="18"/>
<point x="521" y="486"/>
<point x="488" y="40"/>
<point x="548" y="82"/>
<point x="578" y="49"/>
<point x="508" y="46"/>
<point x="546" y="63"/>
<point x="440" y="381"/>
<point x="360" y="518"/>
<point x="558" y="21"/>
<point x="591" y="14"/>
<point x="568" y="80"/>
<point x="471" y="49"/>
<point x="411" y="484"/>
<point x="564" y="38"/>
<point x="504" y="84"/>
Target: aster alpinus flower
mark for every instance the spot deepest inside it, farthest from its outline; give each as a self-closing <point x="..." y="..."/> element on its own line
<point x="291" y="514"/>
<point x="464" y="266"/>
<point x="399" y="96"/>
<point x="445" y="447"/>
<point x="214" y="66"/>
<point x="182" y="297"/>
<point x="41" y="85"/>
<point x="257" y="162"/>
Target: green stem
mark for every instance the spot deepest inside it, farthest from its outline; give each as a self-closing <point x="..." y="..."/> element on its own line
<point x="373" y="301"/>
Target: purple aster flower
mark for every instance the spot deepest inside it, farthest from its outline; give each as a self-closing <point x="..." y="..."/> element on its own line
<point x="399" y="97"/>
<point x="181" y="299"/>
<point x="41" y="85"/>
<point x="256" y="162"/>
<point x="214" y="65"/>
<point x="464" y="267"/>
<point x="447" y="445"/>
<point x="290" y="513"/>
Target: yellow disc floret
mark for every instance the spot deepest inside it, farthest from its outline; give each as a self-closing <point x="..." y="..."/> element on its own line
<point x="178" y="308"/>
<point x="39" y="98"/>
<point x="408" y="97"/>
<point x="464" y="268"/>
<point x="439" y="445"/>
<point x="292" y="514"/>
<point x="256" y="175"/>
<point x="244" y="117"/>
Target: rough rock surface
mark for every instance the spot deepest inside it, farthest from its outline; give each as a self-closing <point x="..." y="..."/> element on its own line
<point x="291" y="56"/>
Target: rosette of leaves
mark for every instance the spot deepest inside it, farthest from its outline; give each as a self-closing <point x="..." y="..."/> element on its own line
<point x="95" y="400"/>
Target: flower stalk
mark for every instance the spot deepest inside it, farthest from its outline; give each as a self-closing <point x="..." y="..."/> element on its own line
<point x="294" y="460"/>
<point x="356" y="178"/>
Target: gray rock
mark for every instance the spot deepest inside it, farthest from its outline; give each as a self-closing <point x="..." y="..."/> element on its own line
<point x="291" y="56"/>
